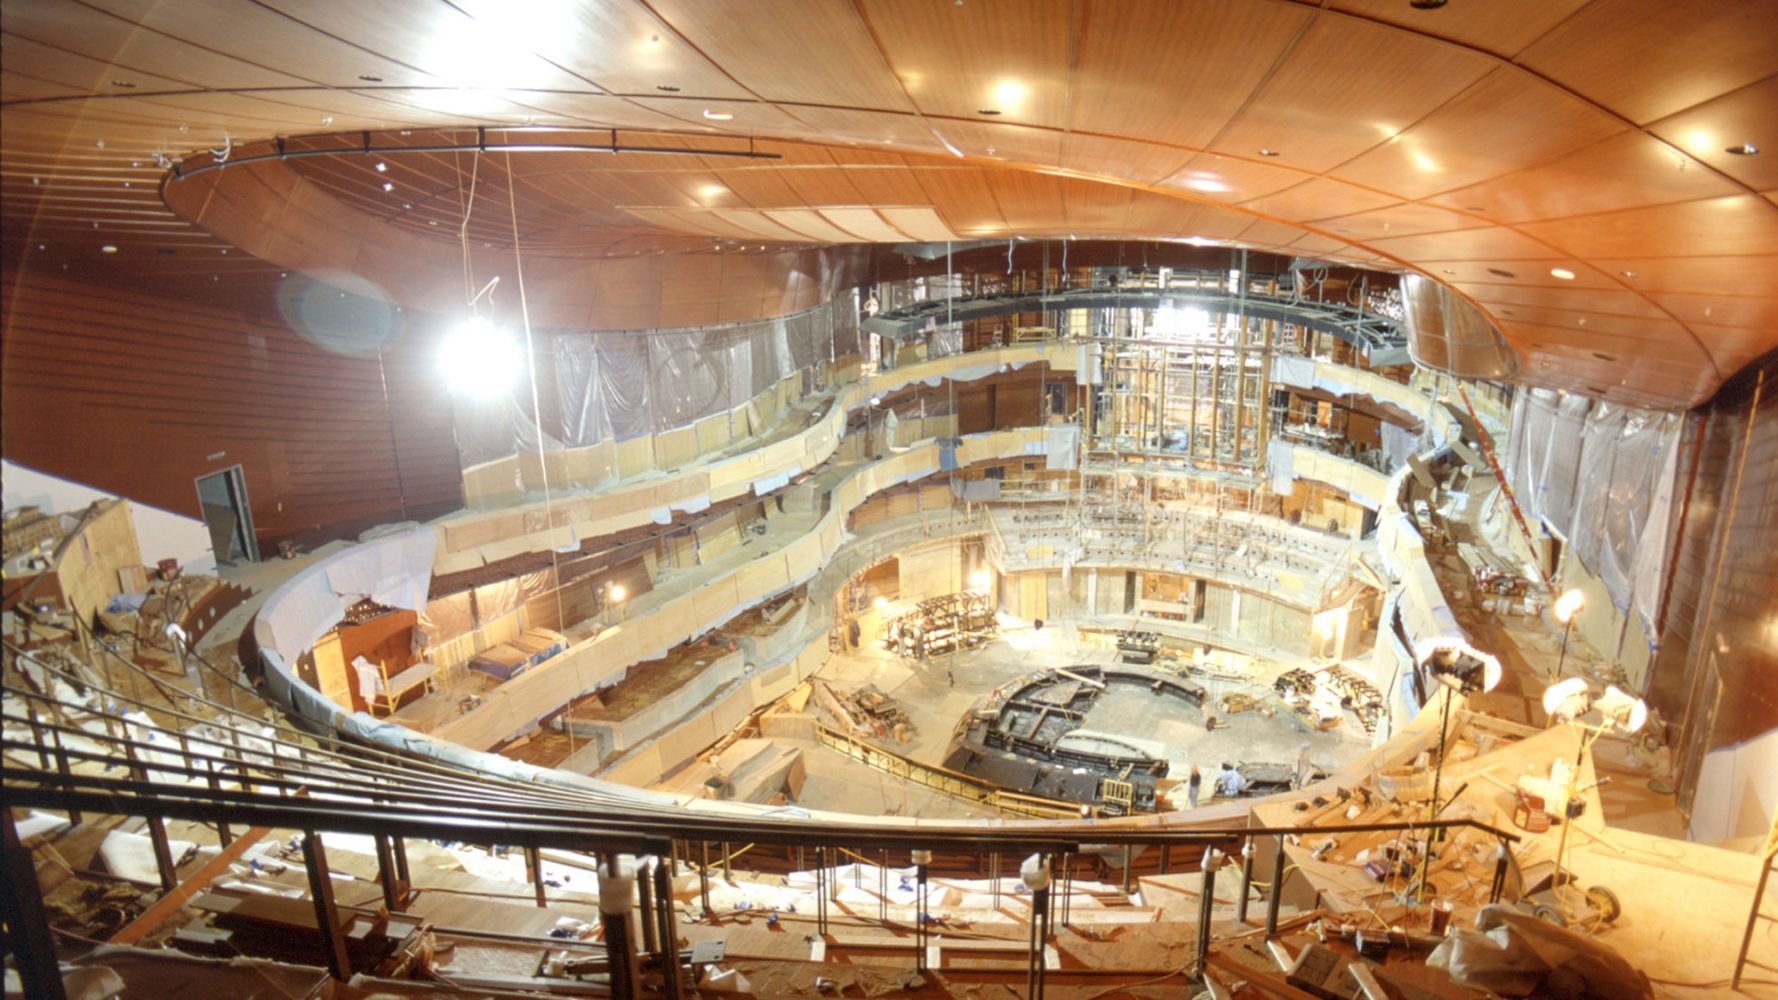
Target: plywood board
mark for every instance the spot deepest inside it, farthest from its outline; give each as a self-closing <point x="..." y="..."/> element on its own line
<point x="634" y="456"/>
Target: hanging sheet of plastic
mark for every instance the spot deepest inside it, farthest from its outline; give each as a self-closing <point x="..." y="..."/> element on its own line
<point x="1398" y="444"/>
<point x="1592" y="489"/>
<point x="580" y="396"/>
<point x="803" y="336"/>
<point x="489" y="428"/>
<point x="1649" y="541"/>
<point x="945" y="340"/>
<point x="1636" y="470"/>
<point x="624" y="383"/>
<point x="690" y="376"/>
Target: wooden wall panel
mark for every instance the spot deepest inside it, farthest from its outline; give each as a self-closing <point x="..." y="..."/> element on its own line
<point x="139" y="394"/>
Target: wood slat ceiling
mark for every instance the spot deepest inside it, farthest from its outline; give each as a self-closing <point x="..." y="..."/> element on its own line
<point x="1483" y="144"/>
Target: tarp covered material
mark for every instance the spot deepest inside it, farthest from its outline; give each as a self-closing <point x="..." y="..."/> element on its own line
<point x="1061" y="446"/>
<point x="1514" y="954"/>
<point x="395" y="571"/>
<point x="1281" y="466"/>
<point x="976" y="489"/>
<point x="1602" y="476"/>
<point x="1398" y="444"/>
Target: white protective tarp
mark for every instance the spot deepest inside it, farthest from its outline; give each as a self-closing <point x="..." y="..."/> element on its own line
<point x="395" y="571"/>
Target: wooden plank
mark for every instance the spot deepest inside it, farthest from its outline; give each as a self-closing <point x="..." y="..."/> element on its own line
<point x="173" y="901"/>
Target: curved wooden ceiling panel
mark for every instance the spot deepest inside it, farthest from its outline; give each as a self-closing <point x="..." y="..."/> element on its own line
<point x="1483" y="144"/>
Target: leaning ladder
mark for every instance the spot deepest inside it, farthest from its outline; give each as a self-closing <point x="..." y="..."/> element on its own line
<point x="1768" y="854"/>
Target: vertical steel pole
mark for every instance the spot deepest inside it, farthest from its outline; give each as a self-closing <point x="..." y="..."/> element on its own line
<point x="327" y="915"/>
<point x="1207" y="903"/>
<point x="1277" y="892"/>
<point x="27" y="926"/>
<point x="1246" y="882"/>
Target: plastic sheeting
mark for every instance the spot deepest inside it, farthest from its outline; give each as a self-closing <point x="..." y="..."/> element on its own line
<point x="620" y="385"/>
<point x="1603" y="477"/>
<point x="396" y="572"/>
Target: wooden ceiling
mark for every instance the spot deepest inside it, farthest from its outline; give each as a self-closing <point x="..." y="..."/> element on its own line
<point x="1497" y="146"/>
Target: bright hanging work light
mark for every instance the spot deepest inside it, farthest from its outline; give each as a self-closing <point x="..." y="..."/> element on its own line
<point x="479" y="360"/>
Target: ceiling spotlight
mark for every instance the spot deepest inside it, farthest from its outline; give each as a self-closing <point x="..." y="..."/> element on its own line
<point x="1744" y="149"/>
<point x="988" y="111"/>
<point x="717" y="116"/>
<point x="1628" y="274"/>
<point x="388" y="185"/>
<point x="667" y="88"/>
<point x="367" y="78"/>
<point x="1562" y="272"/>
<point x="127" y="85"/>
<point x="1268" y="152"/>
<point x="1501" y="273"/>
<point x="382" y="167"/>
<point x="108" y="248"/>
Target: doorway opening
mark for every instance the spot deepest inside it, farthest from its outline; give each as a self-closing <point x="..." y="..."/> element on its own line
<point x="222" y="496"/>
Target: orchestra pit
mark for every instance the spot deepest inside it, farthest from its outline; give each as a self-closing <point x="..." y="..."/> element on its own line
<point x="945" y="498"/>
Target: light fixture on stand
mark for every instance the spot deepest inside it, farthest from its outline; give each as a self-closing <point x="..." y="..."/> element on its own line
<point x="1616" y="712"/>
<point x="1461" y="669"/>
<point x="1567" y="606"/>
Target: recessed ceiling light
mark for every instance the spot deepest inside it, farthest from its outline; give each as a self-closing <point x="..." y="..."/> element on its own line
<point x="1628" y="274"/>
<point x="367" y="78"/>
<point x="1582" y="321"/>
<point x="127" y="85"/>
<point x="1604" y="357"/>
<point x="1562" y="272"/>
<point x="667" y="87"/>
<point x="382" y="167"/>
<point x="988" y="111"/>
<point x="388" y="185"/>
<point x="717" y="116"/>
<point x="1499" y="273"/>
<point x="1744" y="149"/>
<point x="1427" y="4"/>
<point x="108" y="248"/>
<point x="1268" y="152"/>
<point x="1450" y="272"/>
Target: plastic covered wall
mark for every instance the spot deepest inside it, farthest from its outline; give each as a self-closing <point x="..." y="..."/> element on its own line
<point x="1602" y="476"/>
<point x="595" y="387"/>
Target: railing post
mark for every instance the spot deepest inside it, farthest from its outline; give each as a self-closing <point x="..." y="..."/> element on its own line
<point x="63" y="769"/>
<point x="157" y="831"/>
<point x="644" y="902"/>
<point x="704" y="874"/>
<point x="921" y="860"/>
<point x="386" y="872"/>
<point x="1035" y="873"/>
<point x="1206" y="904"/>
<point x="534" y="869"/>
<point x="1501" y="856"/>
<point x="27" y="925"/>
<point x="616" y="892"/>
<point x="668" y="932"/>
<point x="1276" y="895"/>
<point x="1246" y="881"/>
<point x="327" y="915"/>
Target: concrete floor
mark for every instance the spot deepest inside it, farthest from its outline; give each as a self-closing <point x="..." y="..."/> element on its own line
<point x="937" y="693"/>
